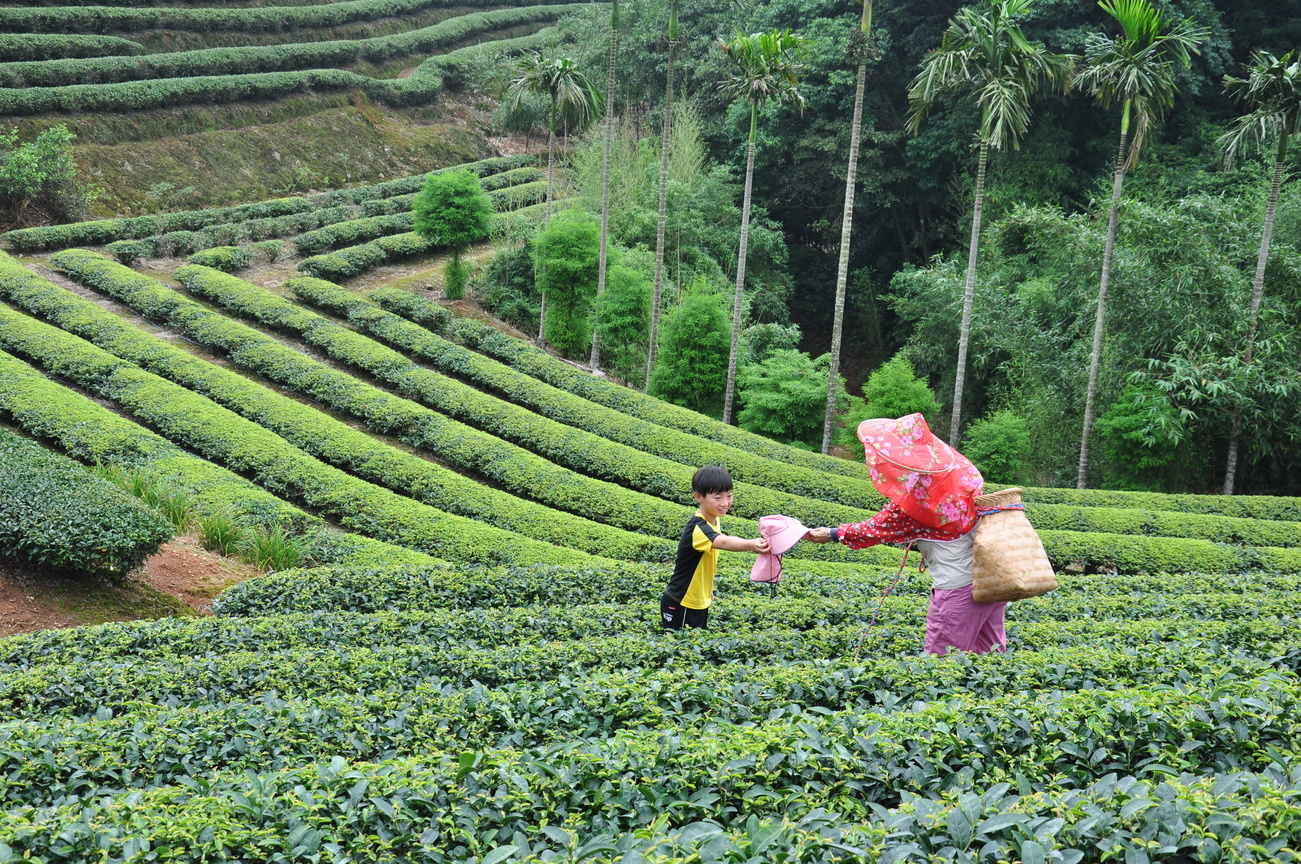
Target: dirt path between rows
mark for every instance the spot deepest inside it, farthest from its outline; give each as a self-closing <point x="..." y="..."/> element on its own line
<point x="182" y="579"/>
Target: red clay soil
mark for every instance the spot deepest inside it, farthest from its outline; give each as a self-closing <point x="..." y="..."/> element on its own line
<point x="182" y="579"/>
<point x="193" y="575"/>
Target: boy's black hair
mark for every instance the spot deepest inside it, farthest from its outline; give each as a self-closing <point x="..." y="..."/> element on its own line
<point x="711" y="479"/>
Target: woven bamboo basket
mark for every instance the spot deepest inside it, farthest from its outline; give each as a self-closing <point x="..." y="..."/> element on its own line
<point x="1010" y="560"/>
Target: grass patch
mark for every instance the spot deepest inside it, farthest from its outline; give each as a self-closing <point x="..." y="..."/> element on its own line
<point x="337" y="147"/>
<point x="98" y="601"/>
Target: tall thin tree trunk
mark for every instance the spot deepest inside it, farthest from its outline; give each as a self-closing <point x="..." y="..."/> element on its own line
<point x="546" y="218"/>
<point x="842" y="269"/>
<point x="739" y="300"/>
<point x="1095" y="359"/>
<point x="595" y="359"/>
<point x="1257" y="293"/>
<point x="658" y="296"/>
<point x="968" y="296"/>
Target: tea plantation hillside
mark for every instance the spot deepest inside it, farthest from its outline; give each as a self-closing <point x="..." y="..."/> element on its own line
<point x="471" y="668"/>
<point x="270" y="97"/>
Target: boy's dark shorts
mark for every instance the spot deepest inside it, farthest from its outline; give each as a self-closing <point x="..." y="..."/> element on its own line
<point x="673" y="615"/>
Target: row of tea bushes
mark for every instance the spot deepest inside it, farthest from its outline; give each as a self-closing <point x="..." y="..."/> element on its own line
<point x="564" y="445"/>
<point x="17" y="47"/>
<point x="421" y="87"/>
<point x="539" y="364"/>
<point x="351" y="231"/>
<point x="456" y="804"/>
<point x="100" y="17"/>
<point x="152" y="746"/>
<point x="516" y="469"/>
<point x="324" y="437"/>
<point x="59" y="514"/>
<point x="95" y="434"/>
<point x="353" y="261"/>
<point x="261" y="58"/>
<point x="101" y="231"/>
<point x="488" y="375"/>
<point x="195" y="422"/>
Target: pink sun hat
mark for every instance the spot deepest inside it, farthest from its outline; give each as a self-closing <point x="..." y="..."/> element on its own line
<point x="782" y="533"/>
<point x="928" y="479"/>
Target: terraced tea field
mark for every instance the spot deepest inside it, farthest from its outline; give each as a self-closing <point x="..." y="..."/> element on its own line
<point x="474" y="671"/>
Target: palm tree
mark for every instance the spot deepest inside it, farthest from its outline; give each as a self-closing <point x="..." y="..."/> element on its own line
<point x="664" y="190"/>
<point x="595" y="360"/>
<point x="766" y="70"/>
<point x="858" y="46"/>
<point x="985" y="54"/>
<point x="1136" y="68"/>
<point x="573" y="99"/>
<point x="1272" y="90"/>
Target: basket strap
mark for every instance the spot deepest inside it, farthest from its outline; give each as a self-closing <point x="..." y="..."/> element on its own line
<point x="989" y="511"/>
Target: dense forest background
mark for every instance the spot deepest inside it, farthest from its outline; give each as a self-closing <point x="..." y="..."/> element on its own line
<point x="1186" y="251"/>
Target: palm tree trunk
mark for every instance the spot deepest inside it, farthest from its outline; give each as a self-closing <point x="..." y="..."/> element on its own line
<point x="842" y="269"/>
<point x="1257" y="293"/>
<point x="968" y="296"/>
<point x="738" y="301"/>
<point x="595" y="360"/>
<point x="1095" y="359"/>
<point x="663" y="211"/>
<point x="546" y="219"/>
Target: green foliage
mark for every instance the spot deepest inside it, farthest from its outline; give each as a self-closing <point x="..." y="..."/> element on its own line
<point x="532" y="361"/>
<point x="50" y="46"/>
<point x="785" y="396"/>
<point x="508" y="287"/>
<point x="38" y="179"/>
<point x="691" y="360"/>
<point x="59" y="514"/>
<point x="456" y="275"/>
<point x="568" y="255"/>
<point x="453" y="210"/>
<point x="421" y="87"/>
<point x="228" y="225"/>
<point x="894" y="390"/>
<point x="999" y="446"/>
<point x="220" y="531"/>
<point x="761" y="341"/>
<point x="272" y="550"/>
<point x="246" y="60"/>
<point x="623" y="314"/>
<point x="225" y="258"/>
<point x="1176" y="319"/>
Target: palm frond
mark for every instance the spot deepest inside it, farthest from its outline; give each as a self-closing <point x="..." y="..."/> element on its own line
<point x="1272" y="93"/>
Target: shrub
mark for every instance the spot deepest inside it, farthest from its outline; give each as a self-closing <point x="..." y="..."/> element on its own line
<point x="999" y="445"/>
<point x="623" y="314"/>
<point x="508" y="289"/>
<point x="785" y="396"/>
<point x="453" y="211"/>
<point x="894" y="390"/>
<point x="228" y="259"/>
<point x="38" y="180"/>
<point x="695" y="340"/>
<point x="568" y="255"/>
<point x="60" y="514"/>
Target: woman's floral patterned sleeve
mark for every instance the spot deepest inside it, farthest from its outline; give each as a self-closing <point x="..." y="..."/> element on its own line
<point x="889" y="525"/>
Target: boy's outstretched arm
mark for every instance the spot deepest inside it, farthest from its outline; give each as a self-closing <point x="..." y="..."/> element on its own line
<point x="740" y="544"/>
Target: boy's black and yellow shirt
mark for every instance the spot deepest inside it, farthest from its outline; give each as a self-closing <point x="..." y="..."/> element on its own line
<point x="692" y="584"/>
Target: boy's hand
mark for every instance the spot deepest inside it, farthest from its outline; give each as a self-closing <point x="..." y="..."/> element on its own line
<point x="759" y="544"/>
<point x="818" y="535"/>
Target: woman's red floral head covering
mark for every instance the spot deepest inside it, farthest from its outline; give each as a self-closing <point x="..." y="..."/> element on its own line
<point x="928" y="479"/>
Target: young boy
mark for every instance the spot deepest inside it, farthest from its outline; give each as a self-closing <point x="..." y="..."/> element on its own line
<point x="691" y="589"/>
